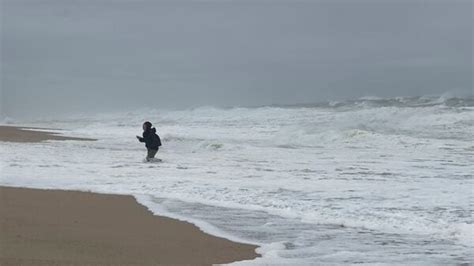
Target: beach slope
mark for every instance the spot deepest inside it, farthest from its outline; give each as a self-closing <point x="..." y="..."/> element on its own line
<point x="26" y="134"/>
<point x="52" y="227"/>
<point x="49" y="227"/>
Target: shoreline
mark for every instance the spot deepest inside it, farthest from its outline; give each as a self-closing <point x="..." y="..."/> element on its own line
<point x="56" y="227"/>
<point x="30" y="135"/>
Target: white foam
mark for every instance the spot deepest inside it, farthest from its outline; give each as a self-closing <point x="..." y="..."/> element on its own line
<point x="157" y="209"/>
<point x="465" y="233"/>
<point x="386" y="171"/>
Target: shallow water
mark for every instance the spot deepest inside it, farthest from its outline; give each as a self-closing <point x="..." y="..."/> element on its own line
<point x="365" y="181"/>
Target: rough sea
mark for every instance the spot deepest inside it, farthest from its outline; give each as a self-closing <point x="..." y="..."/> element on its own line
<point x="375" y="181"/>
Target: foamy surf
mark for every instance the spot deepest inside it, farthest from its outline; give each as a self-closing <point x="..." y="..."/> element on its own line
<point x="364" y="181"/>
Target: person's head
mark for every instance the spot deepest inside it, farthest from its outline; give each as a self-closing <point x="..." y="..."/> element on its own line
<point x="146" y="126"/>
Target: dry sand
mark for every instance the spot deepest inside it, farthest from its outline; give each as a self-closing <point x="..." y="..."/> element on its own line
<point x="50" y="227"/>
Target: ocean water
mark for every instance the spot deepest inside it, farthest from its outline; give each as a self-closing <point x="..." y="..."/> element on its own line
<point x="376" y="181"/>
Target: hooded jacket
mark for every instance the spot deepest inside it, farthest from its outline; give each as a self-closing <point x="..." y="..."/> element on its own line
<point x="151" y="139"/>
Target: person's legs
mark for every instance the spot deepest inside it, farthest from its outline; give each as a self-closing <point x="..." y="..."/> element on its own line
<point x="151" y="154"/>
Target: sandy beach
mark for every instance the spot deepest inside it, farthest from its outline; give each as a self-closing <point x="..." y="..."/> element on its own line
<point x="50" y="227"/>
<point x="27" y="134"/>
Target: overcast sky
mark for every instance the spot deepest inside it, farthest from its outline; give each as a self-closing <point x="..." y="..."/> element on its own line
<point x="68" y="56"/>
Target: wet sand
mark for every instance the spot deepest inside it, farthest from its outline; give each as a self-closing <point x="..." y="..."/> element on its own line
<point x="51" y="227"/>
<point x="27" y="134"/>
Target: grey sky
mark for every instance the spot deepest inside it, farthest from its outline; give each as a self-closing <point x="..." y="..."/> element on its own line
<point x="68" y="56"/>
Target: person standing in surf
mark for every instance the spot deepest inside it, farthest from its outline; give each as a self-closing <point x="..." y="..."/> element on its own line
<point x="151" y="139"/>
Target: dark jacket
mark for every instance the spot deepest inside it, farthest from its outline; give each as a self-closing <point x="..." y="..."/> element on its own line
<point x="151" y="139"/>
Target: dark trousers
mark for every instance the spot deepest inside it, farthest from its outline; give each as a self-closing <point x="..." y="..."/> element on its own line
<point x="151" y="154"/>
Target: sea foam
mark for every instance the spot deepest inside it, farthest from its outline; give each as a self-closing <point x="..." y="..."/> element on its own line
<point x="370" y="180"/>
